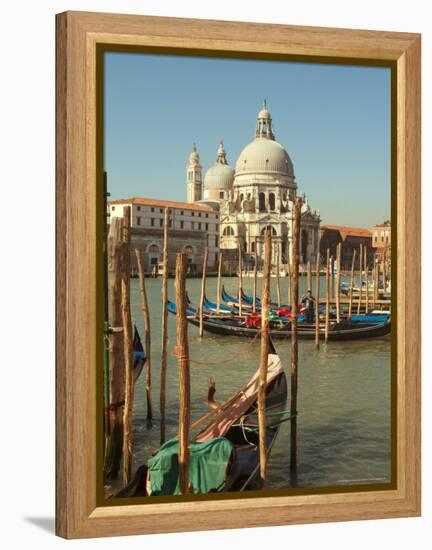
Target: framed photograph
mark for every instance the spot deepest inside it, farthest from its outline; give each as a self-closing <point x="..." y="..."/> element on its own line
<point x="238" y="274"/>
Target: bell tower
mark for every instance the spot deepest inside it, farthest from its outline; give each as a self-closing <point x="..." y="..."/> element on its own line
<point x="194" y="176"/>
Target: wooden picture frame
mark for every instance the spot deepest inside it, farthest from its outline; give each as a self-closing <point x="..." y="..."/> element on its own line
<point x="79" y="35"/>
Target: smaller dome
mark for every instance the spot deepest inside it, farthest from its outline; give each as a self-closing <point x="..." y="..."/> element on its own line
<point x="219" y="176"/>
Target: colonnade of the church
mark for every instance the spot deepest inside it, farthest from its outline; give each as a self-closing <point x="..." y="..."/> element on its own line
<point x="266" y="201"/>
<point x="282" y="245"/>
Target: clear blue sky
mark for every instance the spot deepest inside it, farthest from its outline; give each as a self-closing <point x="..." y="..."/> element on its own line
<point x="334" y="121"/>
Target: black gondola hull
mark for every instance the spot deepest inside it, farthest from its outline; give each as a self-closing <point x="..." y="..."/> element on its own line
<point x="304" y="333"/>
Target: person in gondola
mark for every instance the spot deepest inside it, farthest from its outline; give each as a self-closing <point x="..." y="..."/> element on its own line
<point x="308" y="306"/>
<point x="253" y="320"/>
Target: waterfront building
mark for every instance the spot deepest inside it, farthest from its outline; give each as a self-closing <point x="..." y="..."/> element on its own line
<point x="258" y="194"/>
<point x="381" y="237"/>
<point x="351" y="239"/>
<point x="193" y="226"/>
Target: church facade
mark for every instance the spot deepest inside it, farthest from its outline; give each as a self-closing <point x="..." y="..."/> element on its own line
<point x="258" y="194"/>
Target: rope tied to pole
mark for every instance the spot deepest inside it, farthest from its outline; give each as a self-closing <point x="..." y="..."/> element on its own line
<point x="245" y="349"/>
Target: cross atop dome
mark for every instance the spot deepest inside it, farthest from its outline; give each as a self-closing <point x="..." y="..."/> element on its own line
<point x="264" y="124"/>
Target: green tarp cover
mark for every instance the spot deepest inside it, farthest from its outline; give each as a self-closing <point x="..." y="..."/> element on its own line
<point x="208" y="463"/>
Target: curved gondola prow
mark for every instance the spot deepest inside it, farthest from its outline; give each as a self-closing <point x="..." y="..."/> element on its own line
<point x="139" y="356"/>
<point x="188" y="300"/>
<point x="225" y="297"/>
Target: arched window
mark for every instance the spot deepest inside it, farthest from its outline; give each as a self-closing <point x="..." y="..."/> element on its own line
<point x="153" y="249"/>
<point x="228" y="231"/>
<point x="272" y="201"/>
<point x="188" y="250"/>
<point x="261" y="202"/>
<point x="272" y="229"/>
<point x="252" y="246"/>
<point x="241" y="197"/>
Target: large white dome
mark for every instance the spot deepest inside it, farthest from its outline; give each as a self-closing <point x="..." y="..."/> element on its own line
<point x="219" y="176"/>
<point x="264" y="155"/>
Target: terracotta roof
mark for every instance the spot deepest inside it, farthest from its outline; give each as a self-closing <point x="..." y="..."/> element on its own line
<point x="163" y="204"/>
<point x="348" y="231"/>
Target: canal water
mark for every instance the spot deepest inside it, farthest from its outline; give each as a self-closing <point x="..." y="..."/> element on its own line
<point x="343" y="394"/>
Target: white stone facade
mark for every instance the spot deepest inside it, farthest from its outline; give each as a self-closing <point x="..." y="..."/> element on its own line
<point x="192" y="228"/>
<point x="260" y="193"/>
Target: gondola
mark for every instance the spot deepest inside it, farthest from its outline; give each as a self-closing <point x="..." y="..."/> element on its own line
<point x="225" y="453"/>
<point x="210" y="309"/>
<point x="344" y="330"/>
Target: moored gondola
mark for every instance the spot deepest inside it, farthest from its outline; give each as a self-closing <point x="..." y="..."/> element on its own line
<point x="283" y="316"/>
<point x="280" y="328"/>
<point x="337" y="331"/>
<point x="224" y="454"/>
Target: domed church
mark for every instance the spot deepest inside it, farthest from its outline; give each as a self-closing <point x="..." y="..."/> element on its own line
<point x="259" y="193"/>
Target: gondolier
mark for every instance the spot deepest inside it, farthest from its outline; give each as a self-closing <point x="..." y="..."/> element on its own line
<point x="308" y="309"/>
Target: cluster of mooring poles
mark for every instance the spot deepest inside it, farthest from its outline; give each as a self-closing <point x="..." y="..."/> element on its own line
<point x="119" y="377"/>
<point x="360" y="298"/>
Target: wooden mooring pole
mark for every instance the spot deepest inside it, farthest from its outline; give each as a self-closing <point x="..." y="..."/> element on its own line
<point x="278" y="291"/>
<point x="366" y="268"/>
<point x="309" y="277"/>
<point x="164" y="336"/>
<point x="240" y="279"/>
<point x="289" y="281"/>
<point x="114" y="442"/>
<point x="146" y="315"/>
<point x="219" y="279"/>
<point x="376" y="281"/>
<point x="317" y="297"/>
<point x="338" y="280"/>
<point x="129" y="384"/>
<point x="264" y="351"/>
<point x="255" y="275"/>
<point x="184" y="373"/>
<point x="332" y="294"/>
<point x="127" y="350"/>
<point x="360" y="280"/>
<point x="351" y="284"/>
<point x="203" y="287"/>
<point x="327" y="311"/>
<point x="294" y="335"/>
